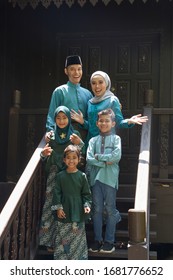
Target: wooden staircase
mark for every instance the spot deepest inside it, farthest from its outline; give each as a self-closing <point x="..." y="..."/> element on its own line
<point x="21" y="214"/>
<point x="125" y="201"/>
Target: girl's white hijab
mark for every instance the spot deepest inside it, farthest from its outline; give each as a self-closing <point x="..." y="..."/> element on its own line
<point x="108" y="93"/>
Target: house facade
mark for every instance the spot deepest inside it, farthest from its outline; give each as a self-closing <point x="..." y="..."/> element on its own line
<point x="131" y="40"/>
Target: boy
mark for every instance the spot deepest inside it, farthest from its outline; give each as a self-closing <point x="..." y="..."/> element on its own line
<point x="103" y="156"/>
<point x="71" y="95"/>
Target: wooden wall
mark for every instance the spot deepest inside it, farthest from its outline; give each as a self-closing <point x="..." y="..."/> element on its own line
<point x="29" y="49"/>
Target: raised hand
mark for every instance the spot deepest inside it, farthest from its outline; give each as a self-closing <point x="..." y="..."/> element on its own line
<point x="49" y="135"/>
<point x="138" y="119"/>
<point x="78" y="117"/>
<point x="47" y="150"/>
<point x="75" y="139"/>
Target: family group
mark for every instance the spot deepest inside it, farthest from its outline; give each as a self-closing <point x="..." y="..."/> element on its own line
<point x="81" y="159"/>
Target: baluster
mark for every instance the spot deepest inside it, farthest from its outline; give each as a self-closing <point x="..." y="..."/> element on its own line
<point x="6" y="246"/>
<point x="41" y="188"/>
<point x="14" y="244"/>
<point x="35" y="210"/>
<point x="28" y="223"/>
<point x="22" y="231"/>
<point x="164" y="146"/>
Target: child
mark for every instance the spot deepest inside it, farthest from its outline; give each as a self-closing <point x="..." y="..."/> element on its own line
<point x="52" y="153"/>
<point x="71" y="94"/>
<point x="71" y="203"/>
<point x="103" y="156"/>
<point x="103" y="99"/>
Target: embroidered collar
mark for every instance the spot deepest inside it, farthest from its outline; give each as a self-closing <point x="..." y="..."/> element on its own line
<point x="70" y="84"/>
<point x="106" y="134"/>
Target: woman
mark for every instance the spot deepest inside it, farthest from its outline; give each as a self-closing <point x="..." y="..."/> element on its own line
<point x="103" y="99"/>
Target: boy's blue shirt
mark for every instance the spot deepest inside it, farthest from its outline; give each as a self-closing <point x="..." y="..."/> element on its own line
<point x="98" y="169"/>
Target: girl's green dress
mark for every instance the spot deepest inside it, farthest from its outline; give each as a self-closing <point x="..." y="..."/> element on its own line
<point x="72" y="193"/>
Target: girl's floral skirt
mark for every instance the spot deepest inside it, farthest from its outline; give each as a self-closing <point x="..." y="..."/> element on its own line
<point x="71" y="242"/>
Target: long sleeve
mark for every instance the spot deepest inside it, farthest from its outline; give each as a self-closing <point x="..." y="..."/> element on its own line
<point x="84" y="125"/>
<point x="120" y="121"/>
<point x="103" y="149"/>
<point x="57" y="195"/>
<point x="86" y="193"/>
<point x="114" y="155"/>
<point x="91" y="151"/>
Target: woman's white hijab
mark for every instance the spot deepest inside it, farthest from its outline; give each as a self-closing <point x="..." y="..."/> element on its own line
<point x="108" y="93"/>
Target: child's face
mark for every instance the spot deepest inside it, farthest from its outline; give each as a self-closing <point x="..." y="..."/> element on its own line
<point x="61" y="120"/>
<point x="105" y="123"/>
<point x="74" y="73"/>
<point x="71" y="160"/>
<point x="98" y="85"/>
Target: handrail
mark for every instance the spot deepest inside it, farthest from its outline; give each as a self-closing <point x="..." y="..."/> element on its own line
<point x="139" y="216"/>
<point x="17" y="212"/>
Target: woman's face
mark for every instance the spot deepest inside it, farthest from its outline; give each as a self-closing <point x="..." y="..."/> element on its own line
<point x="98" y="85"/>
<point x="61" y="120"/>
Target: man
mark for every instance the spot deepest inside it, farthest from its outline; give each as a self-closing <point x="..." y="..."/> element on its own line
<point x="71" y="95"/>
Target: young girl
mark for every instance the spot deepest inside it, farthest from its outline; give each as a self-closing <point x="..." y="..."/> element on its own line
<point x="52" y="154"/>
<point x="103" y="99"/>
<point x="71" y="202"/>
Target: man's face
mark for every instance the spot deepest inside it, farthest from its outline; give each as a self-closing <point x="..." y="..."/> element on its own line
<point x="74" y="73"/>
